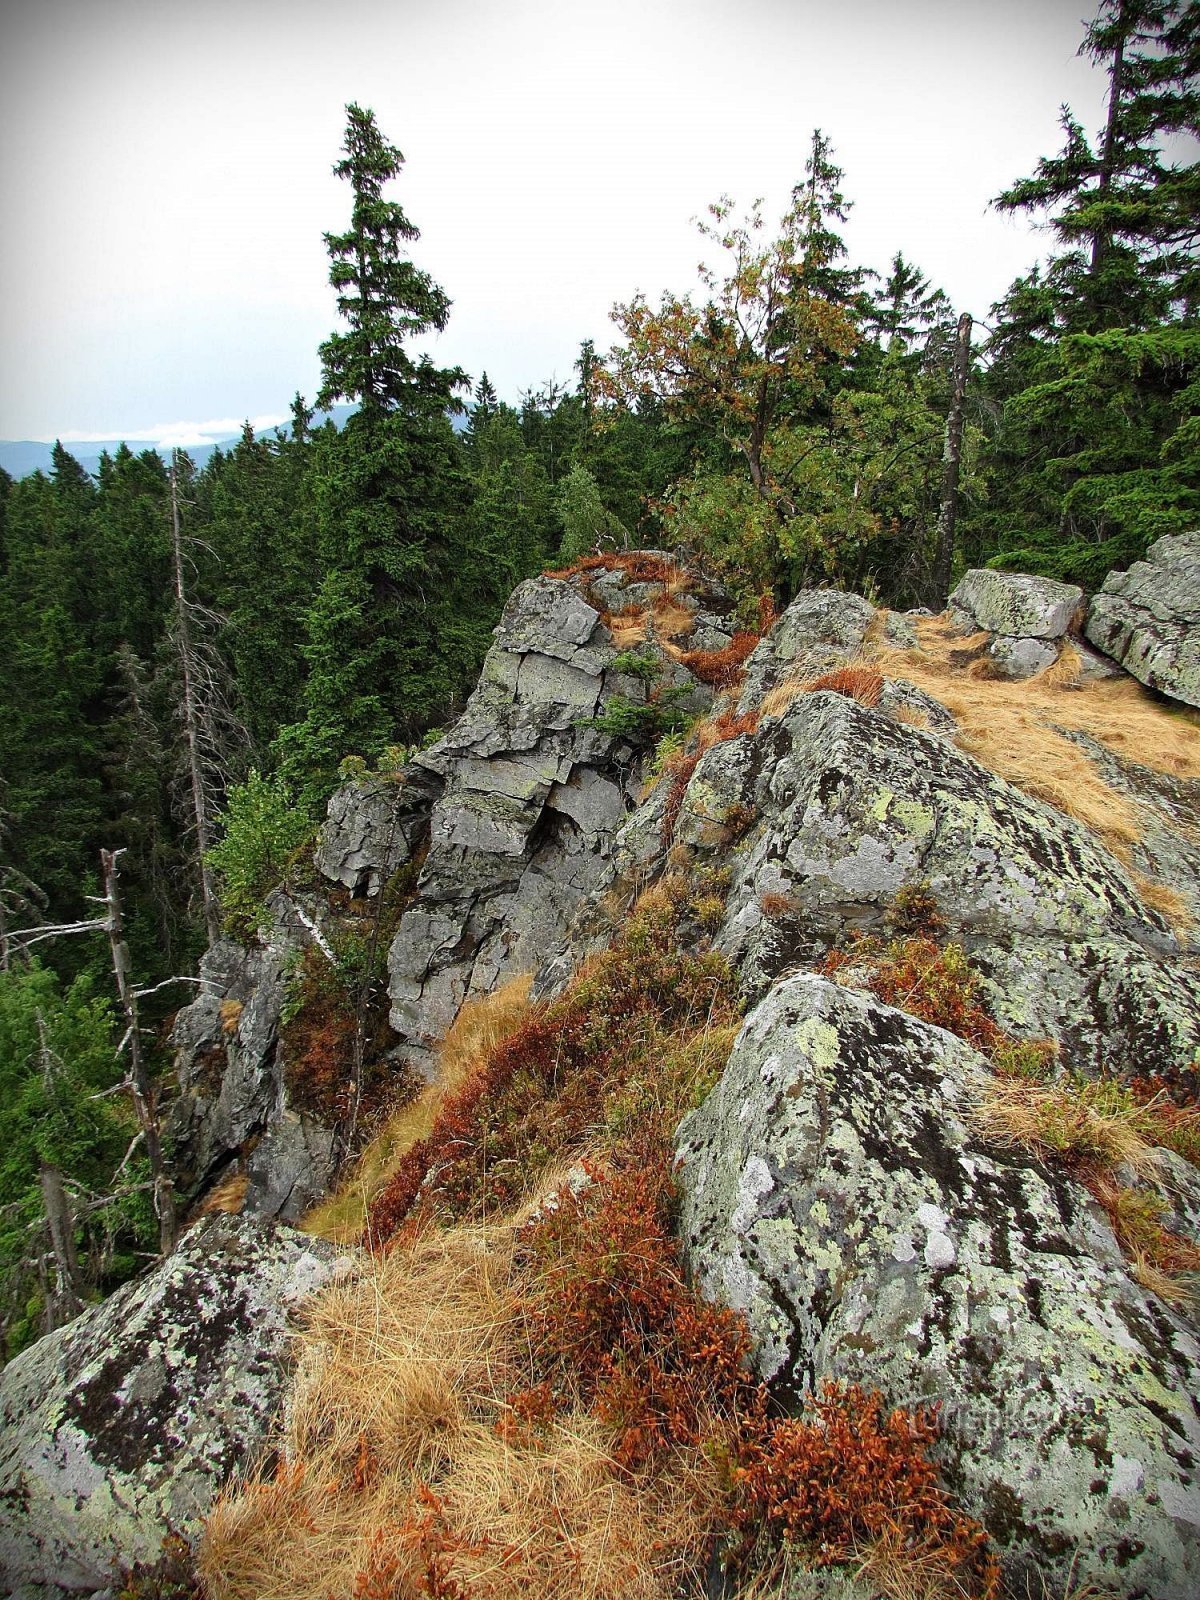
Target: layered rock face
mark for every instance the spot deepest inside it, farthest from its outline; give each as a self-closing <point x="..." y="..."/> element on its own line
<point x="506" y="822"/>
<point x="1147" y="618"/>
<point x="124" y="1426"/>
<point x="527" y="794"/>
<point x="233" y="1107"/>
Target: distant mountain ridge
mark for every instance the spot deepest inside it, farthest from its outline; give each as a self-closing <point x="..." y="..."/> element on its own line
<point x="20" y="457"/>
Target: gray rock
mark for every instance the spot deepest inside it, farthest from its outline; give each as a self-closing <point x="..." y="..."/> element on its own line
<point x="835" y="1193"/>
<point x="821" y="629"/>
<point x="289" y="1169"/>
<point x="898" y="629"/>
<point x="1148" y="618"/>
<point x="848" y="806"/>
<point x="1021" y="657"/>
<point x="126" y="1424"/>
<point x="232" y="1092"/>
<point x="853" y="807"/>
<point x="1111" y="1006"/>
<point x="533" y="796"/>
<point x="373" y="826"/>
<point x="1017" y="604"/>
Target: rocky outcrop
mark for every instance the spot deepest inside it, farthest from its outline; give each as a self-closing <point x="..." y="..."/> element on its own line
<point x="842" y="806"/>
<point x="836" y="1188"/>
<point x="836" y="1193"/>
<point x="232" y="1105"/>
<point x="534" y="787"/>
<point x="1026" y="616"/>
<point x="124" y="1425"/>
<point x="1149" y="618"/>
<point x="820" y="630"/>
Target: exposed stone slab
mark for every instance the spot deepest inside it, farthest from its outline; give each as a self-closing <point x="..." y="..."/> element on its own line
<point x="835" y="1193"/>
<point x="126" y="1424"/>
<point x="1149" y="618"/>
<point x="1021" y="657"/>
<point x="373" y="826"/>
<point x="1016" y="604"/>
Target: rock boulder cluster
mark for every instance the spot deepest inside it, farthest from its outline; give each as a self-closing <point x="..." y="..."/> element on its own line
<point x="837" y="1188"/>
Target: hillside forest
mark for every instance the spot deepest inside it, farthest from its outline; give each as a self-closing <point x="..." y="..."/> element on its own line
<point x="188" y="658"/>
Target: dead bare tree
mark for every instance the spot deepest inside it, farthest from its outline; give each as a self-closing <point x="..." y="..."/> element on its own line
<point x="141" y="1087"/>
<point x="951" y="460"/>
<point x="212" y="732"/>
<point x="64" y="1299"/>
<point x="19" y="895"/>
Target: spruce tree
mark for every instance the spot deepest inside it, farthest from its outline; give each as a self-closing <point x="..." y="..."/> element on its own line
<point x="390" y="490"/>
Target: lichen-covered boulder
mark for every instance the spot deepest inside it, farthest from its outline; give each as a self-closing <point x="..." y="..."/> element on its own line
<point x="1016" y="604"/>
<point x="126" y="1424"/>
<point x="848" y="806"/>
<point x="836" y="1193"/>
<point x="821" y="629"/>
<point x="1148" y="618"/>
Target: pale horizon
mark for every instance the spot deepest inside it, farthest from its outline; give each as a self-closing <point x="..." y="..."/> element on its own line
<point x="166" y="175"/>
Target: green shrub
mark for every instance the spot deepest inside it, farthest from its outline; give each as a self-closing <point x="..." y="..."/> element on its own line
<point x="635" y="664"/>
<point x="263" y="828"/>
<point x="638" y="720"/>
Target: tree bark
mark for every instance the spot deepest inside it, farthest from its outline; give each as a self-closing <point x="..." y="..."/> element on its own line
<point x="141" y="1089"/>
<point x="1108" y="150"/>
<point x="191" y="725"/>
<point x="63" y="1301"/>
<point x="943" y="558"/>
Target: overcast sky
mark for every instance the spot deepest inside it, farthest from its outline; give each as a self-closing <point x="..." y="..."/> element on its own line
<point x="165" y="172"/>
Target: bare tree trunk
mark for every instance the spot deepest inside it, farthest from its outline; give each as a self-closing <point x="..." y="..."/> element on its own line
<point x="191" y="724"/>
<point x="951" y="457"/>
<point x="1102" y="237"/>
<point x="63" y="1301"/>
<point x="140" y="1087"/>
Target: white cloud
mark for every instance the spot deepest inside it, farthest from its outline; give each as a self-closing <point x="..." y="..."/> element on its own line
<point x="180" y="435"/>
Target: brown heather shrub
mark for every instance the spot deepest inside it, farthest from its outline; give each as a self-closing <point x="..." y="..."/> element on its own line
<point x="721" y="669"/>
<point x="481" y="1026"/>
<point x="537" y="1403"/>
<point x="861" y="683"/>
<point x="776" y="907"/>
<point x="933" y="982"/>
<point x="536" y="1099"/>
<point x="637" y="565"/>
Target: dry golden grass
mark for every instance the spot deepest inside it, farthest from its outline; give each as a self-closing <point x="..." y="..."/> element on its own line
<point x="402" y="1380"/>
<point x="1015" y="728"/>
<point x="1168" y="902"/>
<point x="228" y="1196"/>
<point x="230" y="1012"/>
<point x="776" y="701"/>
<point x="1170" y="1289"/>
<point x="627" y="630"/>
<point x="480" y="1026"/>
<point x="904" y="1571"/>
<point x="1090" y="1124"/>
